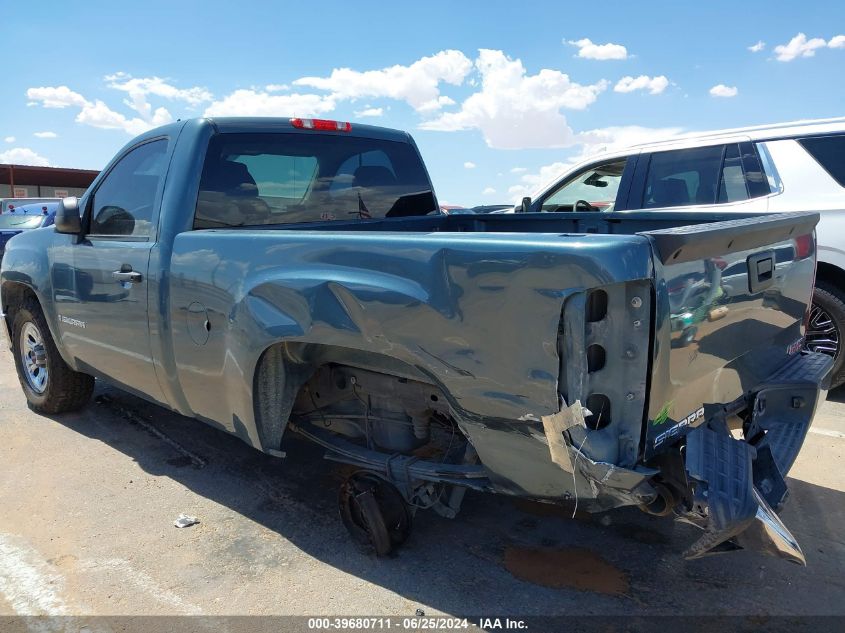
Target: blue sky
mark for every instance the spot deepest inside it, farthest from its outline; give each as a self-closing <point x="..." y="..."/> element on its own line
<point x="498" y="95"/>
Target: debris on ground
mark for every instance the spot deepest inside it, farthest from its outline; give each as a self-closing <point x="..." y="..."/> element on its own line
<point x="185" y="520"/>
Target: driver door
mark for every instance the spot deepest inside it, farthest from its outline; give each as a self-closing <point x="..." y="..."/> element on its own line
<point x="103" y="315"/>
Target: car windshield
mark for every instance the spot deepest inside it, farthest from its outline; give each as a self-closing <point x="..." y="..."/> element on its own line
<point x="596" y="186"/>
<point x="15" y="221"/>
<point x="260" y="179"/>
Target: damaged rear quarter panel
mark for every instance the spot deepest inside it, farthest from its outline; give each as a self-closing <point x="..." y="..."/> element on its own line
<point x="476" y="314"/>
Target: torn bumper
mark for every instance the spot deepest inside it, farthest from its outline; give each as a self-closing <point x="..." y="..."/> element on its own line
<point x="739" y="483"/>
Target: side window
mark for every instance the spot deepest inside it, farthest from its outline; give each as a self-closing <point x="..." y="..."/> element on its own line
<point x="123" y="203"/>
<point x="732" y="186"/>
<point x="705" y="175"/>
<point x="829" y="152"/>
<point x="769" y="173"/>
<point x="683" y="177"/>
<point x="756" y="178"/>
<point x="596" y="185"/>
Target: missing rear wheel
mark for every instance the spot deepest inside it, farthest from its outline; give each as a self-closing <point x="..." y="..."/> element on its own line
<point x="374" y="512"/>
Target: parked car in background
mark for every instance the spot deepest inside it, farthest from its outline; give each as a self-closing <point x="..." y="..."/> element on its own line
<point x="12" y="203"/>
<point x="786" y="167"/>
<point x="25" y="218"/>
<point x="491" y="208"/>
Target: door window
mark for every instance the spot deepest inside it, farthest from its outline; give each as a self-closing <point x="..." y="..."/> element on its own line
<point x="123" y="203"/>
<point x="680" y="178"/>
<point x="717" y="174"/>
<point x="732" y="187"/>
<point x="597" y="185"/>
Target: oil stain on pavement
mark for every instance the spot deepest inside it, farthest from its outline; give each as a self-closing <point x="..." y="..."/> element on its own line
<point x="569" y="568"/>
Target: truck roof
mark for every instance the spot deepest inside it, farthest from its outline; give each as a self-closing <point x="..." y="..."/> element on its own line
<point x="283" y="124"/>
<point x="770" y="131"/>
<point x="270" y="124"/>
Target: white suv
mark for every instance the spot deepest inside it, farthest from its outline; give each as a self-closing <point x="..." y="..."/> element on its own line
<point x="787" y="167"/>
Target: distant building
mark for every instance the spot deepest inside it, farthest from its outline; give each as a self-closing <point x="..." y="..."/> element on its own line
<point x="27" y="181"/>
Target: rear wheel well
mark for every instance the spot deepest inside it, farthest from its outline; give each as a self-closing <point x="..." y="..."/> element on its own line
<point x="301" y="380"/>
<point x="831" y="276"/>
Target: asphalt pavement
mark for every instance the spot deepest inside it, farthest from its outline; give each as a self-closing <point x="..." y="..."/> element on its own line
<point x="88" y="501"/>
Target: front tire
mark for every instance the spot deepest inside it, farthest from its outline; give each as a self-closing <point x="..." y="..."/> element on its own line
<point x="827" y="327"/>
<point x="49" y="384"/>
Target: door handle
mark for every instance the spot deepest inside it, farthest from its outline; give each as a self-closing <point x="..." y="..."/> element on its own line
<point x="126" y="274"/>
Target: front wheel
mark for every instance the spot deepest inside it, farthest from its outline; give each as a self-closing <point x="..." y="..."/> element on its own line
<point x="49" y="384"/>
<point x="827" y="327"/>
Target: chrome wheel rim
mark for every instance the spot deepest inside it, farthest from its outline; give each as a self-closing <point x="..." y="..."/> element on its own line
<point x="822" y="335"/>
<point x="34" y="358"/>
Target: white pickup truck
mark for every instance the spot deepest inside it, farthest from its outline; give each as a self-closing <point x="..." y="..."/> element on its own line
<point x="798" y="166"/>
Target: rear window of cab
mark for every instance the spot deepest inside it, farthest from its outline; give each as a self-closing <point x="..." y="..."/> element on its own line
<point x="283" y="178"/>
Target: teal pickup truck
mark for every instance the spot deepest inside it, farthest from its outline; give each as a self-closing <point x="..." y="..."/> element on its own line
<point x="270" y="276"/>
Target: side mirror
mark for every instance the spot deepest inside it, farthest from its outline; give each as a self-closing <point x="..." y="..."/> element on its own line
<point x="67" y="217"/>
<point x="525" y="207"/>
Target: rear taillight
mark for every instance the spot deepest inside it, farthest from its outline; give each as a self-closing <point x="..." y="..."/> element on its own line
<point x="803" y="246"/>
<point x="322" y="124"/>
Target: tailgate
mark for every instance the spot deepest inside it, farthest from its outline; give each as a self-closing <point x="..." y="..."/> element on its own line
<point x="730" y="303"/>
<point x="732" y="391"/>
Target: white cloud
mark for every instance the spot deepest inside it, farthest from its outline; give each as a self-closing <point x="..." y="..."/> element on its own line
<point x="56" y="97"/>
<point x="488" y="191"/>
<point x="469" y="165"/>
<point x="759" y="46"/>
<point x="417" y="84"/>
<point x="435" y="104"/>
<point x="23" y="156"/>
<point x="370" y="112"/>
<point x="529" y="183"/>
<point x="45" y="134"/>
<point x="800" y="46"/>
<point x="276" y="87"/>
<point x="259" y="103"/>
<point x="9" y="139"/>
<point x="612" y="138"/>
<point x="515" y="110"/>
<point x="721" y="90"/>
<point x="139" y="87"/>
<point x="588" y="50"/>
<point x="654" y="85"/>
<point x="518" y="170"/>
<point x="98" y="114"/>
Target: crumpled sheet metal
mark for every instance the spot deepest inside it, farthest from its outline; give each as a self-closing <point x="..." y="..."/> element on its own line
<point x="623" y="484"/>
